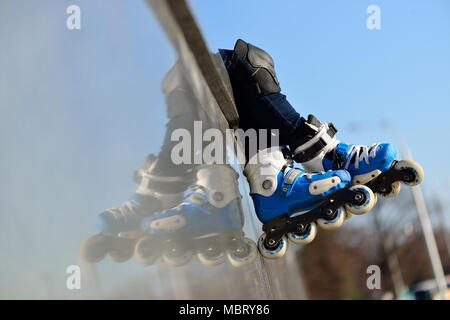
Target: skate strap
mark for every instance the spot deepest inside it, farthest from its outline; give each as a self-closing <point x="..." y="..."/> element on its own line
<point x="289" y="181"/>
<point x="315" y="148"/>
<point x="340" y="155"/>
<point x="198" y="200"/>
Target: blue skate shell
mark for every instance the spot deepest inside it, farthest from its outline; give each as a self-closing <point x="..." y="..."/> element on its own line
<point x="127" y="218"/>
<point x="200" y="215"/>
<point x="385" y="154"/>
<point x="295" y="198"/>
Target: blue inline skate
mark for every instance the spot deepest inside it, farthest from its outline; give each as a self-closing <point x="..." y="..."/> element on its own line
<point x="207" y="223"/>
<point x="120" y="227"/>
<point x="289" y="201"/>
<point x="375" y="166"/>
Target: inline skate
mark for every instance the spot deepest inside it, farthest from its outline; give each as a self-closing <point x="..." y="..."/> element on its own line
<point x="318" y="149"/>
<point x="119" y="227"/>
<point x="290" y="202"/>
<point x="207" y="223"/>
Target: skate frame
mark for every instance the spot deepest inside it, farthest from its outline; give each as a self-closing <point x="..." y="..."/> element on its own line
<point x="383" y="183"/>
<point x="276" y="228"/>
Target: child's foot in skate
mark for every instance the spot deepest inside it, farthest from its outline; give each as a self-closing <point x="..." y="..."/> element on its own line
<point x="290" y="202"/>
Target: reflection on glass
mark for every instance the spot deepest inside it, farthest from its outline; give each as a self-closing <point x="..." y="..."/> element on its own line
<point x="178" y="210"/>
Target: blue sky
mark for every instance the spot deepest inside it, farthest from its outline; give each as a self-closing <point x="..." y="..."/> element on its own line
<point x="80" y="110"/>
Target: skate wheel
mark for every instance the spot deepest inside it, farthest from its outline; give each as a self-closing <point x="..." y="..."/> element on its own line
<point x="122" y="250"/>
<point x="413" y="172"/>
<point x="376" y="199"/>
<point x="209" y="260"/>
<point x="147" y="251"/>
<point x="243" y="254"/>
<point x="367" y="202"/>
<point x="275" y="253"/>
<point x="332" y="224"/>
<point x="395" y="189"/>
<point x="305" y="237"/>
<point x="94" y="249"/>
<point x="212" y="255"/>
<point x="176" y="256"/>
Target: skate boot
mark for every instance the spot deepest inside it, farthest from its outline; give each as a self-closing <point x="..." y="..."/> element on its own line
<point x="207" y="223"/>
<point x="120" y="227"/>
<point x="317" y="149"/>
<point x="290" y="202"/>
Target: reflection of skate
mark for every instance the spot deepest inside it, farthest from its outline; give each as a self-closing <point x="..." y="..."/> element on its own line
<point x="95" y="248"/>
<point x="120" y="226"/>
<point x="289" y="201"/>
<point x="374" y="166"/>
<point x="208" y="223"/>
<point x="211" y="246"/>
